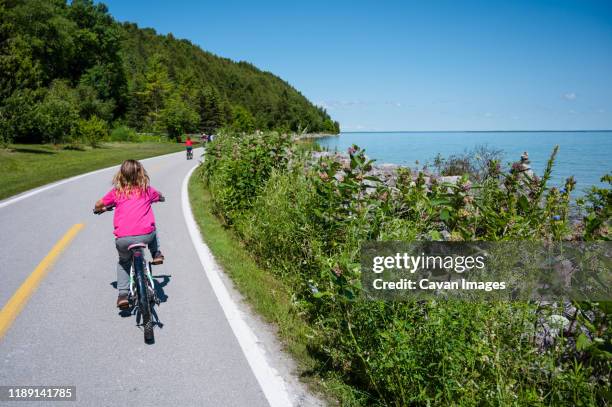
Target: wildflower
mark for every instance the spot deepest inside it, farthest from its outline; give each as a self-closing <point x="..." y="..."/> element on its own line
<point x="466" y="186"/>
<point x="570" y="183"/>
<point x="468" y="199"/>
<point x="517" y="167"/>
<point x="556" y="217"/>
<point x="323" y="176"/>
<point x="352" y="149"/>
<point x="494" y="168"/>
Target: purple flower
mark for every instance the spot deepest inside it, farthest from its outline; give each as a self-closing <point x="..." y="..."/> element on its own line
<point x="466" y="186"/>
<point x="352" y="149"/>
<point x="556" y="217"/>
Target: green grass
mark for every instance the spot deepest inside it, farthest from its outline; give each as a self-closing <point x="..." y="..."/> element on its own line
<point x="268" y="296"/>
<point x="26" y="166"/>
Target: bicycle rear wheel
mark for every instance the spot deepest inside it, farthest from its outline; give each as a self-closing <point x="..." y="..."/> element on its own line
<point x="144" y="302"/>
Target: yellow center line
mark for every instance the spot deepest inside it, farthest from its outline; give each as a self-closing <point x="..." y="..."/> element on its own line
<point x="14" y="306"/>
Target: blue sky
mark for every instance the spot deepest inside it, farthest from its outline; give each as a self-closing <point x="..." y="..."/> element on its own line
<point x="422" y="65"/>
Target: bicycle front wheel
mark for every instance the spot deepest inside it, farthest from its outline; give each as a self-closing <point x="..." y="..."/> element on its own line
<point x="144" y="302"/>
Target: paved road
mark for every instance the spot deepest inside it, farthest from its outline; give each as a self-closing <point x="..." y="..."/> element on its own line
<point x="70" y="332"/>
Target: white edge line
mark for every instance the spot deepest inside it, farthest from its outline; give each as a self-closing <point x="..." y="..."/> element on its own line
<point x="272" y="384"/>
<point x="38" y="190"/>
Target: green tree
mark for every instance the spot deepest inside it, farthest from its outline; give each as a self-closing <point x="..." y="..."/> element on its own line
<point x="137" y="109"/>
<point x="242" y="120"/>
<point x="120" y="72"/>
<point x="58" y="114"/>
<point x="49" y="33"/>
<point x="91" y="105"/>
<point x="178" y="117"/>
<point x="210" y="109"/>
<point x="19" y="117"/>
<point x="157" y="87"/>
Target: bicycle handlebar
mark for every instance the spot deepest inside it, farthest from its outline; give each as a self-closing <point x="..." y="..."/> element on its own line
<point x="106" y="209"/>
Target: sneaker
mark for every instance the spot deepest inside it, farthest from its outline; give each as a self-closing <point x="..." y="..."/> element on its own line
<point x="122" y="301"/>
<point x="158" y="258"/>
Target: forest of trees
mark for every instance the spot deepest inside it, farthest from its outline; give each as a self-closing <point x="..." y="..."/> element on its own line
<point x="70" y="71"/>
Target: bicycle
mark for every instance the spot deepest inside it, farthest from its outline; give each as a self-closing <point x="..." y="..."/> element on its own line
<point x="142" y="295"/>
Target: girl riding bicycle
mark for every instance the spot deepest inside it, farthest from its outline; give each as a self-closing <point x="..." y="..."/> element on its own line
<point x="134" y="221"/>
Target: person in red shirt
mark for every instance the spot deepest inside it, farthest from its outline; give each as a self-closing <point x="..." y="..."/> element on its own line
<point x="189" y="146"/>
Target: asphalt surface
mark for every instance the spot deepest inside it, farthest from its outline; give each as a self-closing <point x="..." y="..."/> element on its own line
<point x="70" y="333"/>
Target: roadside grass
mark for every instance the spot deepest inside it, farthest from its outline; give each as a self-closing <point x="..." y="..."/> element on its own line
<point x="267" y="295"/>
<point x="26" y="166"/>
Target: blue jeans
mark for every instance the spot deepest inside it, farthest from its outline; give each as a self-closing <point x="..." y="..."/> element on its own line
<point x="125" y="257"/>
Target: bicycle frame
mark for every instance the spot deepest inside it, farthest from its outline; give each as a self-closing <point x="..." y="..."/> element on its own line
<point x="147" y="273"/>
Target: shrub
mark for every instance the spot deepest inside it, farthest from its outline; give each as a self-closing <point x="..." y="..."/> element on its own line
<point x="123" y="133"/>
<point x="151" y="138"/>
<point x="20" y="118"/>
<point x="598" y="205"/>
<point x="238" y="167"/>
<point x="58" y="114"/>
<point x="474" y="163"/>
<point x="93" y="130"/>
<point x="305" y="221"/>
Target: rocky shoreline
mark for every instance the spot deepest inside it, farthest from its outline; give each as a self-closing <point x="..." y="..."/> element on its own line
<point x="309" y="136"/>
<point x="386" y="172"/>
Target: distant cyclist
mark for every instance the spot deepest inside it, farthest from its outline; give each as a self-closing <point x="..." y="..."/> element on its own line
<point x="189" y="146"/>
<point x="134" y="222"/>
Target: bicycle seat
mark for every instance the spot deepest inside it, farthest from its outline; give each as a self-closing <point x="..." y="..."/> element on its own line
<point x="136" y="245"/>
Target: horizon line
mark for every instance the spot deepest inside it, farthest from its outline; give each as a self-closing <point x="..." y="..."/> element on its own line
<point x="476" y="131"/>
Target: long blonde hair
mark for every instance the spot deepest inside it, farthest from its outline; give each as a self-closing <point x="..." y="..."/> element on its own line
<point x="131" y="178"/>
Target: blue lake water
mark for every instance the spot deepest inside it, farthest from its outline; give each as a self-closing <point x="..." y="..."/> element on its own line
<point x="585" y="155"/>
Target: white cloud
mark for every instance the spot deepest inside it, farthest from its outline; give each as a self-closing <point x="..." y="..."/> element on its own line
<point x="392" y="103"/>
<point x="569" y="96"/>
